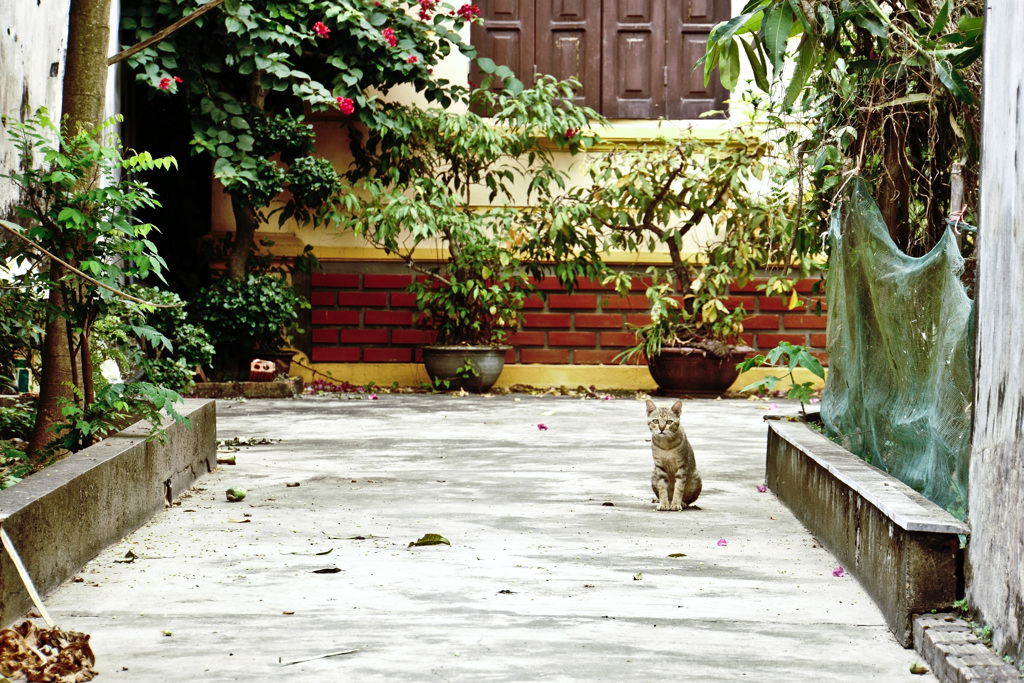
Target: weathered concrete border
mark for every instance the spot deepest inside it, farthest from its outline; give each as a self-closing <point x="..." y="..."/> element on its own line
<point x="62" y="517"/>
<point x="955" y="654"/>
<point x="248" y="389"/>
<point x="903" y="548"/>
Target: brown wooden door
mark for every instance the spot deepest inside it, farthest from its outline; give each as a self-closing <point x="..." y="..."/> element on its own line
<point x="689" y="23"/>
<point x="568" y="44"/>
<point x="633" y="59"/>
<point x="506" y="36"/>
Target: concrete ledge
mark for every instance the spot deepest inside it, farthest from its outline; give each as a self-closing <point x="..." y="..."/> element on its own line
<point x="60" y="518"/>
<point x="902" y="547"/>
<point x="954" y="653"/>
<point x="248" y="389"/>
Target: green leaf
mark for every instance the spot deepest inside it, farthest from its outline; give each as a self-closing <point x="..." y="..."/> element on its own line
<point x="430" y="539"/>
<point x="953" y="81"/>
<point x="826" y="19"/>
<point x="941" y="19"/>
<point x="729" y="65"/>
<point x="514" y="87"/>
<point x="806" y="59"/>
<point x="777" y="27"/>
<point x="756" y="59"/>
<point x="486" y="65"/>
<point x="871" y="23"/>
<point x="723" y="32"/>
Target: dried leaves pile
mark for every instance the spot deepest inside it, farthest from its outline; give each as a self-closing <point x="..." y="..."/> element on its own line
<point x="39" y="654"/>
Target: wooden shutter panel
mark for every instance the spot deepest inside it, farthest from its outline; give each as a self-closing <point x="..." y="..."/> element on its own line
<point x="506" y="36"/>
<point x="568" y="44"/>
<point x="633" y="59"/>
<point x="688" y="24"/>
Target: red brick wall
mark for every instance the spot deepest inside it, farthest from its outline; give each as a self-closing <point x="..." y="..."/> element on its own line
<point x="365" y="315"/>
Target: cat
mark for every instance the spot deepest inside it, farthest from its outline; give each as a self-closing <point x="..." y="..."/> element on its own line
<point x="676" y="481"/>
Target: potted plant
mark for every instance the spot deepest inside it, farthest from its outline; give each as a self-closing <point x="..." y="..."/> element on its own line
<point x="450" y="184"/>
<point x="712" y="197"/>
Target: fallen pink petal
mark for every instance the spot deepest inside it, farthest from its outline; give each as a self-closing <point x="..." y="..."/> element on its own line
<point x="542" y="427"/>
<point x="773" y="406"/>
<point x="373" y="397"/>
<point x="762" y="488"/>
<point x="722" y="541"/>
<point x="815" y="401"/>
<point x="608" y="397"/>
<point x="838" y="572"/>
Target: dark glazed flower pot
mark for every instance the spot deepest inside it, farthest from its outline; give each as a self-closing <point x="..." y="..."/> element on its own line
<point x="694" y="371"/>
<point x="445" y="362"/>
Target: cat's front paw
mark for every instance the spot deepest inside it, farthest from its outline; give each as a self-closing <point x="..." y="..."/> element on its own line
<point x="675" y="508"/>
<point x="663" y="507"/>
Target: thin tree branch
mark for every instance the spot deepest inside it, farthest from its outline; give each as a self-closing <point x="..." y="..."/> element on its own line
<point x="157" y="37"/>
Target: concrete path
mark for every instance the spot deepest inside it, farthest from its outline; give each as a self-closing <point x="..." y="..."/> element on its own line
<point x="558" y="568"/>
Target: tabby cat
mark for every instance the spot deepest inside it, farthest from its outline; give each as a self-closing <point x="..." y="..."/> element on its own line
<point x="676" y="481"/>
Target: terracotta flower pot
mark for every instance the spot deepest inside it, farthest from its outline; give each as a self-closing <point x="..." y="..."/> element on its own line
<point x="694" y="371"/>
<point x="445" y="362"/>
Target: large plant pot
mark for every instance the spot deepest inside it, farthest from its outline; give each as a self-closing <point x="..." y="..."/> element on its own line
<point x="445" y="362"/>
<point x="694" y="371"/>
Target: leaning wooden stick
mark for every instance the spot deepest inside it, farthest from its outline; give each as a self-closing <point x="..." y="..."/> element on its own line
<point x="25" y="578"/>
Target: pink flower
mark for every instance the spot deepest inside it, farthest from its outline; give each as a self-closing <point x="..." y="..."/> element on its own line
<point x="346" y="105"/>
<point x="468" y="12"/>
<point x="723" y="542"/>
<point x="838" y="572"/>
<point x="542" y="428"/>
<point x="389" y="35"/>
<point x="321" y="30"/>
<point x="165" y="83"/>
<point x="177" y="79"/>
<point x="412" y="59"/>
<point x="762" y="489"/>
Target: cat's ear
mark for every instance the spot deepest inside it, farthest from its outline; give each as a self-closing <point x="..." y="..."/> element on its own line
<point x="677" y="408"/>
<point x="650" y="406"/>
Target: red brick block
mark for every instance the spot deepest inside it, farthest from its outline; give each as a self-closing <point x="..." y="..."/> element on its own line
<point x="806" y="286"/>
<point x="413" y="337"/>
<point x="572" y="339"/>
<point x="533" y="302"/>
<point x="334" y="355"/>
<point x="549" y="320"/>
<point x="640" y="284"/>
<point x="776" y="303"/>
<point x="403" y="300"/>
<point x="364" y="336"/>
<point x="548" y="284"/>
<point x="342" y="280"/>
<point x="549" y="356"/>
<point x="751" y="286"/>
<point x="734" y="302"/>
<point x="805" y="322"/>
<point x="527" y="339"/>
<point x="322" y="298"/>
<point x="510" y="356"/>
<point x="586" y="302"/>
<point x="595" y="357"/>
<point x="821" y="356"/>
<point x="325" y="336"/>
<point x="388" y="318"/>
<point x="322" y="317"/>
<point x="814" y="301"/>
<point x="387" y="355"/>
<point x="371" y="281"/>
<point x="587" y="284"/>
<point x="638" y="319"/>
<point x="599" y="320"/>
<point x="363" y="299"/>
<point x="747" y="339"/>
<point x="819" y="340"/>
<point x="770" y="341"/>
<point x="633" y="302"/>
<point x="756" y="322"/>
<point x="617" y="339"/>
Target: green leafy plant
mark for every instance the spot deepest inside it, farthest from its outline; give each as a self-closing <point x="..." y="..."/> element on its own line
<point x="420" y="191"/>
<point x="79" y="193"/>
<point x="794" y="357"/>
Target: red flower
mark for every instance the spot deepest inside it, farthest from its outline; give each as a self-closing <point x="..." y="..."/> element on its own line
<point x="571" y="132"/>
<point x="321" y="30"/>
<point x="165" y="83"/>
<point x="177" y="79"/>
<point x="389" y="35"/>
<point x="468" y="12"/>
<point x="345" y="105"/>
<point x="426" y="7"/>
<point x="412" y="59"/>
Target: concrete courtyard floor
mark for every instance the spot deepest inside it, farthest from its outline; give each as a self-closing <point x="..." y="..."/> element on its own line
<point x="558" y="569"/>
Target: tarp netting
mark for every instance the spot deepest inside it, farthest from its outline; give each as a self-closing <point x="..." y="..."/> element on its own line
<point x="899" y="386"/>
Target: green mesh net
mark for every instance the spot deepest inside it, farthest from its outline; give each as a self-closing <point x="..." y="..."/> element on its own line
<point x="899" y="386"/>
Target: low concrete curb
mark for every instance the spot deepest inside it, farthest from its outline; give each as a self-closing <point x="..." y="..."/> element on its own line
<point x="954" y="654"/>
<point x="62" y="517"/>
<point x="902" y="547"/>
<point x="248" y="389"/>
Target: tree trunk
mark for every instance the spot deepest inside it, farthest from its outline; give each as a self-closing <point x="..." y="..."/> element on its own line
<point x="84" y="102"/>
<point x="245" y="235"/>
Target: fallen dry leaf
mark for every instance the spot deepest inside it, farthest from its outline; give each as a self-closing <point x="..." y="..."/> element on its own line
<point x="27" y="651"/>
